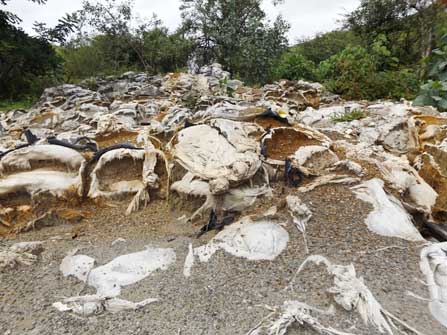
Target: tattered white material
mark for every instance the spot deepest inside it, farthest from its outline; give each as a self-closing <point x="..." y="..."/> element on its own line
<point x="397" y="172"/>
<point x="121" y="187"/>
<point x="311" y="116"/>
<point x="34" y="247"/>
<point x="208" y="154"/>
<point x="238" y="133"/>
<point x="278" y="322"/>
<point x="109" y="124"/>
<point x="229" y="111"/>
<point x="236" y="199"/>
<point x="129" y="269"/>
<point x="406" y="179"/>
<point x="300" y="214"/>
<point x="327" y="180"/>
<point x="108" y="279"/>
<point x="22" y="158"/>
<point x="24" y="253"/>
<point x="259" y="240"/>
<point x="189" y="261"/>
<point x="351" y="293"/>
<point x="388" y="218"/>
<point x="434" y="267"/>
<point x="149" y="179"/>
<point x="354" y="167"/>
<point x="88" y="305"/>
<point x="78" y="266"/>
<point x="324" y="158"/>
<point x="39" y="181"/>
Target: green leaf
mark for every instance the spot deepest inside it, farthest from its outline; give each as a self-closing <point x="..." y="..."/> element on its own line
<point x="423" y="100"/>
<point x="442" y="65"/>
<point x="436" y="98"/>
<point x="427" y="86"/>
<point x="444" y="39"/>
<point x="443" y="104"/>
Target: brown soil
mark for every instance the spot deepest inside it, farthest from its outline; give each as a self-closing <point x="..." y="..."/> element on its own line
<point x="313" y="99"/>
<point x="438" y="182"/>
<point x="266" y="122"/>
<point x="125" y="169"/>
<point x="25" y="210"/>
<point x="116" y="138"/>
<point x="285" y="142"/>
<point x="42" y="117"/>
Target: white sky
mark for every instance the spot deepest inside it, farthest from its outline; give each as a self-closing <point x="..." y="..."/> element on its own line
<point x="307" y="17"/>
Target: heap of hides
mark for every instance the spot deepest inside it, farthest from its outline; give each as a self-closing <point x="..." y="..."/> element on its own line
<point x="138" y="137"/>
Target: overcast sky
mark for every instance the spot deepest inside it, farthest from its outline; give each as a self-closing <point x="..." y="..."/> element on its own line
<point x="307" y="17"/>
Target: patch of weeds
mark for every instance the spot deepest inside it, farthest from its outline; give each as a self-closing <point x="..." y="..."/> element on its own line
<point x="355" y="114"/>
<point x="223" y="84"/>
<point x="25" y="103"/>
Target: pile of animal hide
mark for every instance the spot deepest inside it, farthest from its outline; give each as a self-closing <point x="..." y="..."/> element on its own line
<point x="217" y="149"/>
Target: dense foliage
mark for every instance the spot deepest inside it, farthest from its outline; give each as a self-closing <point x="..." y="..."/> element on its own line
<point x="434" y="91"/>
<point x="384" y="49"/>
<point x="294" y="65"/>
<point x="108" y="40"/>
<point x="235" y="34"/>
<point x="27" y="64"/>
<point x="323" y="46"/>
<point x="380" y="53"/>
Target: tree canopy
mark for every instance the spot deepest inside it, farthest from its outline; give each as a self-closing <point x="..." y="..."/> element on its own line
<point x="235" y="34"/>
<point x="383" y="49"/>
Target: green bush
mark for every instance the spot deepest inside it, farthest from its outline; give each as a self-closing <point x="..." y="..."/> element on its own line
<point x="323" y="46"/>
<point x="294" y="66"/>
<point x="350" y="73"/>
<point x="402" y="83"/>
<point x="24" y="103"/>
<point x="108" y="55"/>
<point x="27" y="64"/>
<point x="434" y="92"/>
<point x="355" y="73"/>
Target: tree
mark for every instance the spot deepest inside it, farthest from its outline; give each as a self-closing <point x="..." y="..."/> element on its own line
<point x="27" y="64"/>
<point x="235" y="34"/>
<point x="294" y="66"/>
<point x="323" y="46"/>
<point x="110" y="39"/>
<point x="60" y="33"/>
<point x="114" y="20"/>
<point x="406" y="23"/>
<point x="358" y="73"/>
<point x="428" y="14"/>
<point x="7" y="18"/>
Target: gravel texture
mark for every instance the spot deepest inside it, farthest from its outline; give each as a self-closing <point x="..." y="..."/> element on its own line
<point x="227" y="295"/>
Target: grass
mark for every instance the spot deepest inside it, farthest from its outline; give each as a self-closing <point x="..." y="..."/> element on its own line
<point x="355" y="114"/>
<point x="7" y="105"/>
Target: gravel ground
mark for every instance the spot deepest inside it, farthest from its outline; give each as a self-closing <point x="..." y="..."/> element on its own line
<point x="227" y="295"/>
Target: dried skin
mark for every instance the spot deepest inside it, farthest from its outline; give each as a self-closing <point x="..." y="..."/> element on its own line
<point x="105" y="141"/>
<point x="285" y="142"/>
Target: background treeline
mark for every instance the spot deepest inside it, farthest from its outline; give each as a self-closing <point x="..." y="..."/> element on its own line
<point x="384" y="49"/>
